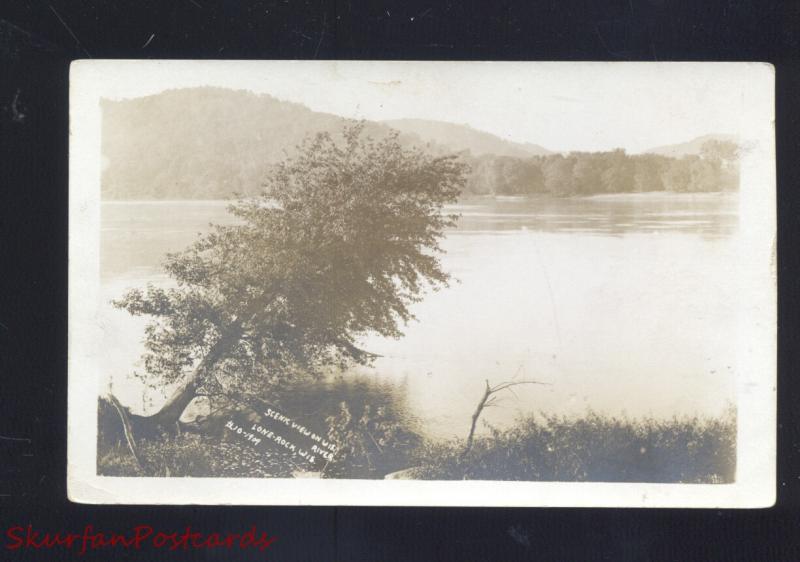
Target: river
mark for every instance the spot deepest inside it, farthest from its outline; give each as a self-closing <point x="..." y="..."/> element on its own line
<point x="621" y="304"/>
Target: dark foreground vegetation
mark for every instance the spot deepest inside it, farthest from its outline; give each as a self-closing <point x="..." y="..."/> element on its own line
<point x="369" y="422"/>
<point x="592" y="448"/>
<point x="377" y="437"/>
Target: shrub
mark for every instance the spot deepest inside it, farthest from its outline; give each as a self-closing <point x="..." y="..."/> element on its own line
<point x="375" y="436"/>
<point x="368" y="421"/>
<point x="592" y="448"/>
<point x="369" y="445"/>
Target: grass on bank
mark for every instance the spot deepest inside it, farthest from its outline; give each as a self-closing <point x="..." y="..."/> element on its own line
<point x="379" y="439"/>
<point x="592" y="448"/>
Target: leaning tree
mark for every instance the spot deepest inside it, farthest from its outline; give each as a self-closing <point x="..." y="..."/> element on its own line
<point x="343" y="240"/>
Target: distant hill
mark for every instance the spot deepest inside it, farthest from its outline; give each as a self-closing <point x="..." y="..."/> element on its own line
<point x="464" y="137"/>
<point x="691" y="147"/>
<point x="209" y="143"/>
<point x="198" y="143"/>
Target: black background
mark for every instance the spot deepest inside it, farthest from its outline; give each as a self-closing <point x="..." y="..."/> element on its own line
<point x="38" y="39"/>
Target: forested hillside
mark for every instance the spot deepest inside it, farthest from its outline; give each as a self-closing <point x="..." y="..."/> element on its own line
<point x="212" y="143"/>
<point x="200" y="143"/>
<point x="715" y="168"/>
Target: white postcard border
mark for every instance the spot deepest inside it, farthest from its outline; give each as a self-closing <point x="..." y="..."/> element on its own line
<point x="756" y="449"/>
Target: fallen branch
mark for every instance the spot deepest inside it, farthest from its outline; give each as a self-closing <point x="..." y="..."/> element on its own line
<point x="126" y="428"/>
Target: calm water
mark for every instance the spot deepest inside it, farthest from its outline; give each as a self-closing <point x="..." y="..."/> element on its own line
<point x="622" y="304"/>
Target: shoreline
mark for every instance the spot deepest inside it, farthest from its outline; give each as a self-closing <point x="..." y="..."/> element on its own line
<point x="463" y="199"/>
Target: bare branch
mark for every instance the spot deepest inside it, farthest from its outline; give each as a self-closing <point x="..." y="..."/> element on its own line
<point x="126" y="428"/>
<point x="488" y="400"/>
<point x="509" y="384"/>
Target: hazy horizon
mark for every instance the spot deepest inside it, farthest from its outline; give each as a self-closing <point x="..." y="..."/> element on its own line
<point x="389" y="121"/>
<point x="561" y="108"/>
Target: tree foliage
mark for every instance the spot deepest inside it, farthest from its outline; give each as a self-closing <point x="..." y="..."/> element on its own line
<point x="343" y="240"/>
<point x="589" y="173"/>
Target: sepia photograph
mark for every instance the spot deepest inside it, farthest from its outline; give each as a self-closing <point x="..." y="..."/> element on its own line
<point x="422" y="283"/>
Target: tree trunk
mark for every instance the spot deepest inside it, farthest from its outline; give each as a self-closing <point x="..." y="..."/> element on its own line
<point x="167" y="418"/>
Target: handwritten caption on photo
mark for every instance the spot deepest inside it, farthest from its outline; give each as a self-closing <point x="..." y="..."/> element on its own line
<point x="275" y="429"/>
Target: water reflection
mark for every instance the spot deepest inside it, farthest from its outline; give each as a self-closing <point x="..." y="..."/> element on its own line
<point x="704" y="214"/>
<point x="136" y="235"/>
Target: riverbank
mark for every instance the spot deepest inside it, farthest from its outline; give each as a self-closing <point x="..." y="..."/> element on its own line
<point x="376" y="441"/>
<point x="592" y="448"/>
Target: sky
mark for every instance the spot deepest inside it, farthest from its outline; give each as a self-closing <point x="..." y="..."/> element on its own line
<point x="561" y="106"/>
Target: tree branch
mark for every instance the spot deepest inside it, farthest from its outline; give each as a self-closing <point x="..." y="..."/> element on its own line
<point x="355" y="352"/>
<point x="487" y="400"/>
<point x="126" y="428"/>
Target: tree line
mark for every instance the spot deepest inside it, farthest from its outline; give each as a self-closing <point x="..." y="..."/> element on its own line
<point x="590" y="173"/>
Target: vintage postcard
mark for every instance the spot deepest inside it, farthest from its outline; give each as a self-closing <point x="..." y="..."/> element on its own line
<point x="422" y="283"/>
